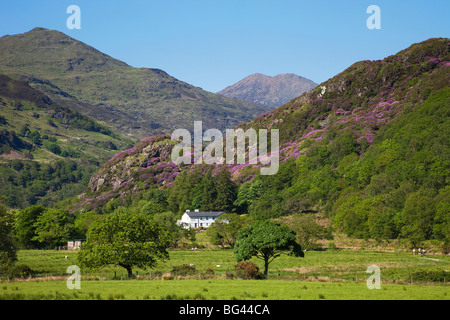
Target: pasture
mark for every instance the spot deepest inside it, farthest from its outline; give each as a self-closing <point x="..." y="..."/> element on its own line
<point x="330" y="274"/>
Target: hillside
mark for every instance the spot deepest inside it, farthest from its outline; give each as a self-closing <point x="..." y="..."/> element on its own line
<point x="269" y="91"/>
<point x="368" y="149"/>
<point x="37" y="135"/>
<point x="25" y="110"/>
<point x="135" y="102"/>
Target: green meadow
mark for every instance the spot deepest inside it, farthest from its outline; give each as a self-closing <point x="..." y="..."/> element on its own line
<point x="219" y="289"/>
<point x="331" y="274"/>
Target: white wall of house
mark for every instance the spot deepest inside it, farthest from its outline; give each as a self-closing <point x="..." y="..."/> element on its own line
<point x="185" y="219"/>
<point x="196" y="222"/>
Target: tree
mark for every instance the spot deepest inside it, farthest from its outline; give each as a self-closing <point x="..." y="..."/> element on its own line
<point x="441" y="228"/>
<point x="153" y="207"/>
<point x="53" y="147"/>
<point x="168" y="220"/>
<point x="209" y="196"/>
<point x="25" y="228"/>
<point x="225" y="230"/>
<point x="266" y="240"/>
<point x="418" y="216"/>
<point x="247" y="193"/>
<point x="181" y="193"/>
<point x="7" y="251"/>
<point x="54" y="227"/>
<point x="226" y="191"/>
<point x="83" y="221"/>
<point x="35" y="137"/>
<point x="308" y="230"/>
<point x="125" y="239"/>
<point x="24" y="131"/>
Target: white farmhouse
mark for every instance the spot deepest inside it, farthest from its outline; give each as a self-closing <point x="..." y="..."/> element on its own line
<point x="197" y="219"/>
<point x="74" y="244"/>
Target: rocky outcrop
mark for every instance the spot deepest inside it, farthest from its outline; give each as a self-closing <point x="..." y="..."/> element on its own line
<point x="146" y="165"/>
<point x="121" y="169"/>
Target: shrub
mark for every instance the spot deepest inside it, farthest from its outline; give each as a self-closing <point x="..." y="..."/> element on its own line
<point x="430" y="276"/>
<point x="209" y="272"/>
<point x="332" y="246"/>
<point x="21" y="271"/>
<point x="247" y="270"/>
<point x="184" y="270"/>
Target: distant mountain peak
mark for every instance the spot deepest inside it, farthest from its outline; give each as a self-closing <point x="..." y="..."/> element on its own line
<point x="39" y="29"/>
<point x="271" y="91"/>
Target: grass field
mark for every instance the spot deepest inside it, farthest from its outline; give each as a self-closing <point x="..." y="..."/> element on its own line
<point x="330" y="274"/>
<point x="219" y="289"/>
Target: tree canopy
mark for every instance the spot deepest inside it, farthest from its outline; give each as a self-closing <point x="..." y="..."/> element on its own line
<point x="7" y="251"/>
<point x="54" y="227"/>
<point x="125" y="239"/>
<point x="266" y="240"/>
<point x="225" y="230"/>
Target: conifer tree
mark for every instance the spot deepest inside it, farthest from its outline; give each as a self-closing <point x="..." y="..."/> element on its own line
<point x="209" y="197"/>
<point x="226" y="191"/>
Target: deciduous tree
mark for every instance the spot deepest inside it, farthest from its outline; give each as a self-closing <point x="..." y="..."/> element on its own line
<point x="54" y="227"/>
<point x="225" y="230"/>
<point x="7" y="251"/>
<point x="125" y="239"/>
<point x="266" y="240"/>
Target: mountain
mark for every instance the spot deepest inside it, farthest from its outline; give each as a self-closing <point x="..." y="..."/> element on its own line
<point x="31" y="117"/>
<point x="364" y="97"/>
<point x="269" y="91"/>
<point x="38" y="137"/>
<point x="368" y="149"/>
<point x="135" y="102"/>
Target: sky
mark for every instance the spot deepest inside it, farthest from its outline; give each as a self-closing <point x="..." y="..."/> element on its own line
<point x="213" y="44"/>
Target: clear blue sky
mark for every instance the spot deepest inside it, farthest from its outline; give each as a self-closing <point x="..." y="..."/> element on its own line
<point x="215" y="43"/>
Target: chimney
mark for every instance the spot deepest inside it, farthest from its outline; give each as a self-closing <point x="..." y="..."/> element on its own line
<point x="196" y="210"/>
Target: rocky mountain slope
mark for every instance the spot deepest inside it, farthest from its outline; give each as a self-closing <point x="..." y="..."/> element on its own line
<point x="269" y="91"/>
<point x="136" y="102"/>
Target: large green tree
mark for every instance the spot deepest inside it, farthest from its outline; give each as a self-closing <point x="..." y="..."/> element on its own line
<point x="226" y="191"/>
<point x="125" y="239"/>
<point x="25" y="228"/>
<point x="247" y="193"/>
<point x="418" y="216"/>
<point x="209" y="195"/>
<point x="7" y="250"/>
<point x="266" y="240"/>
<point x="54" y="227"/>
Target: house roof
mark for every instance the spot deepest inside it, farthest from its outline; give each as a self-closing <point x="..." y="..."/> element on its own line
<point x="204" y="213"/>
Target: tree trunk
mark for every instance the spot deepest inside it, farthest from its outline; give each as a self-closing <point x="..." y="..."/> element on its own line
<point x="129" y="270"/>
<point x="266" y="266"/>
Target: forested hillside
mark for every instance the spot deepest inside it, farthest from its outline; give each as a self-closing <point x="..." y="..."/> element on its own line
<point x="47" y="151"/>
<point x="368" y="149"/>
